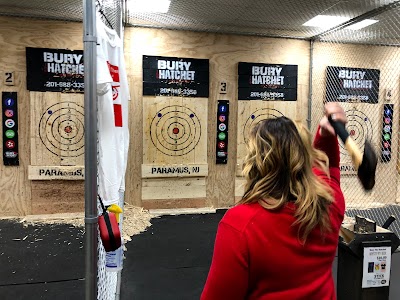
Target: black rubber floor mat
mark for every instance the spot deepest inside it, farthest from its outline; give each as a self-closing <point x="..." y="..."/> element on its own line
<point x="171" y="259"/>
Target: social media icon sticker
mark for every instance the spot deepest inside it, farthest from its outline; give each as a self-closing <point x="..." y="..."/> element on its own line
<point x="386" y="136"/>
<point x="221" y="145"/>
<point x="222" y="127"/>
<point x="10" y="144"/>
<point x="221" y="154"/>
<point x="10" y="154"/>
<point x="222" y="108"/>
<point x="9" y="123"/>
<point x="387" y="128"/>
<point x="9" y="102"/>
<point x="9" y="113"/>
<point x="10" y="133"/>
<point x="222" y="118"/>
<point x="222" y="136"/>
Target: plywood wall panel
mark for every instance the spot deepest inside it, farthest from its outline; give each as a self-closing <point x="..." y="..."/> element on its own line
<point x="57" y="196"/>
<point x="224" y="52"/>
<point x="386" y="59"/>
<point x="133" y="179"/>
<point x="16" y="196"/>
<point x="19" y="196"/>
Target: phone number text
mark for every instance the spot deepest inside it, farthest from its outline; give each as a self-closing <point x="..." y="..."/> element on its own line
<point x="185" y="92"/>
<point x="65" y="84"/>
<point x="353" y="97"/>
<point x="266" y="95"/>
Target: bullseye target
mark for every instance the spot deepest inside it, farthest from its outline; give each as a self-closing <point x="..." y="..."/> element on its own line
<point x="359" y="127"/>
<point x="257" y="116"/>
<point x="175" y="130"/>
<point x="61" y="129"/>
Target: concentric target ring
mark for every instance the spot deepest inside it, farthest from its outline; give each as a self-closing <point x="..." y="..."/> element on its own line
<point x="359" y="127"/>
<point x="175" y="133"/>
<point x="61" y="129"/>
<point x="175" y="130"/>
<point x="257" y="116"/>
<point x="67" y="130"/>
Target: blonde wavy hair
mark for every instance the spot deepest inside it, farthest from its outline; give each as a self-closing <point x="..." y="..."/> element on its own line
<point x="278" y="169"/>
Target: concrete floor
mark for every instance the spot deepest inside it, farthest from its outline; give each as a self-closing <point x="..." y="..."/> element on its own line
<point x="172" y="259"/>
<point x="168" y="261"/>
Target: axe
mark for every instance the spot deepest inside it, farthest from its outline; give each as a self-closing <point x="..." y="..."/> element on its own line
<point x="365" y="165"/>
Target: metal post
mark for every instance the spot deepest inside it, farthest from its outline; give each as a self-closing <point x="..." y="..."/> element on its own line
<point x="119" y="274"/>
<point x="89" y="40"/>
<point x="120" y="32"/>
<point x="310" y="84"/>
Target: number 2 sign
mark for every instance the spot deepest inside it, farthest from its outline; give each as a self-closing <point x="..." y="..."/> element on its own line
<point x="9" y="78"/>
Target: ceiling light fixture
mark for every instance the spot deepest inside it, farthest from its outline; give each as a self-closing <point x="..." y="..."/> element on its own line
<point x="148" y="6"/>
<point x="362" y="24"/>
<point x="325" y="21"/>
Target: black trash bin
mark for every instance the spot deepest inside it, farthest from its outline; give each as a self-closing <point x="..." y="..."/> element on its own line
<point x="364" y="260"/>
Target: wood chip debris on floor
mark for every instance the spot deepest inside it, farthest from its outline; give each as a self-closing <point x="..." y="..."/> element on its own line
<point x="135" y="220"/>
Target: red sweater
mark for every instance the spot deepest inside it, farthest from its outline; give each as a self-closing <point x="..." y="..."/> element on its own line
<point x="257" y="254"/>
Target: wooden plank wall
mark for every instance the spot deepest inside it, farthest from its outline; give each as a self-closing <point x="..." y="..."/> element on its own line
<point x="224" y="52"/>
<point x="262" y="110"/>
<point x="160" y="152"/>
<point x="386" y="59"/>
<point x="18" y="195"/>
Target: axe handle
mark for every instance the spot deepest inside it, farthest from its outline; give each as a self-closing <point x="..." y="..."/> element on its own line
<point x="351" y="146"/>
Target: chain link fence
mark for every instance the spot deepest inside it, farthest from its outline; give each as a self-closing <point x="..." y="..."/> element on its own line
<point x="361" y="69"/>
<point x="110" y="12"/>
<point x="109" y="283"/>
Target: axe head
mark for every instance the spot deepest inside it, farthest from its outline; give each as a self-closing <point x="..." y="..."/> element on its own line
<point x="367" y="169"/>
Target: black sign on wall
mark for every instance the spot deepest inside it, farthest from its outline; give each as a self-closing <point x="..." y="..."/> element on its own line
<point x="174" y="76"/>
<point x="54" y="70"/>
<point x="352" y="85"/>
<point x="267" y="82"/>
<point x="222" y="131"/>
<point x="10" y="129"/>
<point x="386" y="146"/>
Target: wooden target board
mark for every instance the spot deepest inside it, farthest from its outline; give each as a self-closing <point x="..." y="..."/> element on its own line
<point x="364" y="123"/>
<point x="175" y="136"/>
<point x="249" y="114"/>
<point x="252" y="112"/>
<point x="175" y="130"/>
<point x="57" y="136"/>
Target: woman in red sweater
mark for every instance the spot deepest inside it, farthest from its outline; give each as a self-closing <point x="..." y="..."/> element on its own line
<point x="279" y="242"/>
